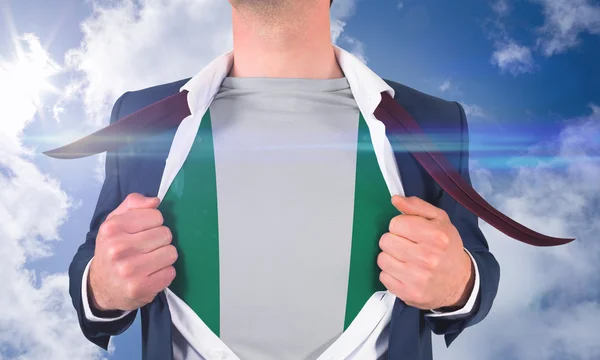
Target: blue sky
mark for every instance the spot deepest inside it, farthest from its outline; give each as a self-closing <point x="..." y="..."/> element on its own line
<point x="525" y="70"/>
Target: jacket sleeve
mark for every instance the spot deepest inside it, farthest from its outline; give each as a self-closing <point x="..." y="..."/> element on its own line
<point x="474" y="241"/>
<point x="110" y="197"/>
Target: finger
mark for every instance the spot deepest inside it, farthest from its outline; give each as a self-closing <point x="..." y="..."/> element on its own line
<point x="415" y="206"/>
<point x="155" y="260"/>
<point x="138" y="220"/>
<point x="401" y="281"/>
<point x="388" y="264"/>
<point x="414" y="228"/>
<point x="392" y="284"/>
<point x="146" y="241"/>
<point x="135" y="201"/>
<point x="400" y="248"/>
<point x="161" y="279"/>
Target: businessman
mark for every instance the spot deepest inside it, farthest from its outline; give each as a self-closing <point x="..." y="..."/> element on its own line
<point x="276" y="221"/>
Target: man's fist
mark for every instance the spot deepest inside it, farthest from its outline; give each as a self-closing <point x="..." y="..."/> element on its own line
<point x="133" y="257"/>
<point x="423" y="261"/>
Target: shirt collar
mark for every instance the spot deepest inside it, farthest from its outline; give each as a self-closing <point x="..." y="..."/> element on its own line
<point x="366" y="86"/>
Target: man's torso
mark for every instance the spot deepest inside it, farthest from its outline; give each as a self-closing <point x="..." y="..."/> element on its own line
<point x="267" y="245"/>
<point x="147" y="157"/>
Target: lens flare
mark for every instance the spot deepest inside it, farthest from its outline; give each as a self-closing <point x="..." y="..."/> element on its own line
<point x="23" y="80"/>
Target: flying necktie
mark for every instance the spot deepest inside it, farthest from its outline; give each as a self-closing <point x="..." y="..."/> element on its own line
<point x="169" y="112"/>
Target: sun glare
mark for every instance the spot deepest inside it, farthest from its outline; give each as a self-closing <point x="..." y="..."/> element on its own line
<point x="23" y="80"/>
<point x="28" y="73"/>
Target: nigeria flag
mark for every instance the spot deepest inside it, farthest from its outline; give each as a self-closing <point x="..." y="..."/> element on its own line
<point x="210" y="271"/>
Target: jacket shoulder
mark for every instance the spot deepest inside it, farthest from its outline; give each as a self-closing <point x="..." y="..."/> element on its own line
<point x="135" y="100"/>
<point x="429" y="111"/>
<point x="443" y="121"/>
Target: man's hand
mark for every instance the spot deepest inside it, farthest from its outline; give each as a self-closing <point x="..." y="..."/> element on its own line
<point x="133" y="257"/>
<point x="423" y="261"/>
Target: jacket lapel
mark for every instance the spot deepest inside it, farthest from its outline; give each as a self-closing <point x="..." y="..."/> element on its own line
<point x="157" y="341"/>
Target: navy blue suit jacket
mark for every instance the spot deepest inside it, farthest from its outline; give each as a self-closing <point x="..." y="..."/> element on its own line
<point x="139" y="167"/>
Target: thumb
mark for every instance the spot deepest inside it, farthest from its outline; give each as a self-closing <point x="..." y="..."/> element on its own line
<point x="416" y="206"/>
<point x="135" y="201"/>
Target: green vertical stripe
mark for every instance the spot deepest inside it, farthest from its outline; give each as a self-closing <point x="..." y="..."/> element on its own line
<point x="190" y="211"/>
<point x="373" y="211"/>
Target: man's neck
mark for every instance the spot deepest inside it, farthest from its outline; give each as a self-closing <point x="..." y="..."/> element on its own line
<point x="298" y="48"/>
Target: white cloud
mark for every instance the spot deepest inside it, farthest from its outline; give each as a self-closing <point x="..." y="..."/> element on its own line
<point x="564" y="23"/>
<point x="341" y="11"/>
<point x="448" y="87"/>
<point x="400" y="5"/>
<point x="129" y="45"/>
<point x="512" y="57"/>
<point x="501" y="7"/>
<point x="445" y="86"/>
<point x="473" y="110"/>
<point x="547" y="306"/>
<point x="565" y="20"/>
<point x="509" y="55"/>
<point x="39" y="321"/>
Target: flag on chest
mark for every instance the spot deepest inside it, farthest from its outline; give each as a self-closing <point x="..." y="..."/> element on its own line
<point x="277" y="245"/>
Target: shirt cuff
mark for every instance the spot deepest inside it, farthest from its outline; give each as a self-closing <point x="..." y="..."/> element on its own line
<point x="86" y="303"/>
<point x="470" y="303"/>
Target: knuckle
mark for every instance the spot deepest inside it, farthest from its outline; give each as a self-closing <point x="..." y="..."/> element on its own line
<point x="384" y="240"/>
<point x="159" y="216"/>
<point x="168" y="234"/>
<point x="171" y="273"/>
<point x="443" y="239"/>
<point x="114" y="251"/>
<point x="132" y="290"/>
<point x="172" y="253"/>
<point x="131" y="197"/>
<point x="124" y="269"/>
<point x="380" y="260"/>
<point x="108" y="228"/>
<point x="389" y="282"/>
<point x="431" y="261"/>
<point x="394" y="223"/>
<point x="443" y="214"/>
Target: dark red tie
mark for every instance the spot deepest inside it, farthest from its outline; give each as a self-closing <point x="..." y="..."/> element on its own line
<point x="169" y="112"/>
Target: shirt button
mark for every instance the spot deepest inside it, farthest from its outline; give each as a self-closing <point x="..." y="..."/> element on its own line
<point x="217" y="354"/>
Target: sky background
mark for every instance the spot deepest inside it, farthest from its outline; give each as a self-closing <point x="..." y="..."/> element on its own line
<point x="526" y="72"/>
